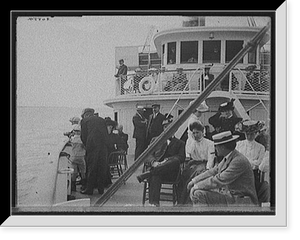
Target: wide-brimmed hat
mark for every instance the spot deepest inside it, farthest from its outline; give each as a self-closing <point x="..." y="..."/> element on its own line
<point x="252" y="126"/>
<point x="224" y="137"/>
<point x="227" y="105"/>
<point x="202" y="107"/>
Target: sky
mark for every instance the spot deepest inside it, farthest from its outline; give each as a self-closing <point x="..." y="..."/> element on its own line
<point x="70" y="61"/>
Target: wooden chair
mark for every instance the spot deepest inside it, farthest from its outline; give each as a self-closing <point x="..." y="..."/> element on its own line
<point x="114" y="162"/>
<point x="168" y="191"/>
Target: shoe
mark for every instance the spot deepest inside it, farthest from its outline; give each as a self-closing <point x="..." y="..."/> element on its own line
<point x="86" y="192"/>
<point x="143" y="176"/>
<point x="100" y="191"/>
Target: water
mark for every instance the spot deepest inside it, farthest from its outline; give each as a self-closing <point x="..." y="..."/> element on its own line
<point x="39" y="136"/>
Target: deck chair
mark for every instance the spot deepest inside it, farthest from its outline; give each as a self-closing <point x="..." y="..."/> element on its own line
<point x="114" y="162"/>
<point x="168" y="191"/>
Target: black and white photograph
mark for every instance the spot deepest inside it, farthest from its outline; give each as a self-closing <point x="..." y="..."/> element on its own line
<point x="148" y="114"/>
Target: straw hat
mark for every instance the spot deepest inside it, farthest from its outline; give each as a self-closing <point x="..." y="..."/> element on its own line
<point x="224" y="137"/>
<point x="202" y="107"/>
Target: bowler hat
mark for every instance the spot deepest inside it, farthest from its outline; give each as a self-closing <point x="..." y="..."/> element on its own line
<point x="224" y="137"/>
<point x="87" y="110"/>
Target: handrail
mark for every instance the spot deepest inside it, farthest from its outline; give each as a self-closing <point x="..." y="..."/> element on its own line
<point x="182" y="91"/>
<point x="172" y="128"/>
<point x="254" y="92"/>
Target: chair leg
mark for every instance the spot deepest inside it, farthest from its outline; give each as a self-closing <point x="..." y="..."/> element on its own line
<point x="144" y="193"/>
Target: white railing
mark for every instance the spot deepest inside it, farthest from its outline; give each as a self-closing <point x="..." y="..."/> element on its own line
<point x="239" y="81"/>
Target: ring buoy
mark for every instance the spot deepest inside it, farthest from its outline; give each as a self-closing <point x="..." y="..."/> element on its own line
<point x="146" y="85"/>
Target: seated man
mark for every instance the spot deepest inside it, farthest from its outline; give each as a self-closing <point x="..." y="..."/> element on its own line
<point x="233" y="173"/>
<point x="200" y="153"/>
<point x="164" y="165"/>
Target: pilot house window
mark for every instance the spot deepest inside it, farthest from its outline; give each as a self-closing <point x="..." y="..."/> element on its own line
<point x="212" y="51"/>
<point x="171" y="58"/>
<point x="232" y="49"/>
<point x="189" y="52"/>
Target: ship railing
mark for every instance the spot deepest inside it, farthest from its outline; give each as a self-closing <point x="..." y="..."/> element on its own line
<point x="238" y="81"/>
<point x="244" y="81"/>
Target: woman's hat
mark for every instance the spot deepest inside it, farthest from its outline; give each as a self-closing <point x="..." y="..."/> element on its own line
<point x="224" y="137"/>
<point x="202" y="107"/>
<point x="226" y="106"/>
<point x="74" y="119"/>
<point x="251" y="126"/>
<point x="110" y="122"/>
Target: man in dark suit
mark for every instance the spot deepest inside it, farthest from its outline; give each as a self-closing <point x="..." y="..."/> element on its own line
<point x="94" y="136"/>
<point x="233" y="175"/>
<point x="122" y="71"/>
<point x="163" y="165"/>
<point x="139" y="131"/>
<point x="155" y="127"/>
<point x="121" y="75"/>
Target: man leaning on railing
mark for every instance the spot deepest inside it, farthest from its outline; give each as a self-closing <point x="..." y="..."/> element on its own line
<point x="121" y="74"/>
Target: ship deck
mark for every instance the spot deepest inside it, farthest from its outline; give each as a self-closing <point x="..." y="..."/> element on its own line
<point x="127" y="198"/>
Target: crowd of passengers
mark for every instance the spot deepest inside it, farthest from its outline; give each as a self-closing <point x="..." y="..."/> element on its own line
<point x="210" y="168"/>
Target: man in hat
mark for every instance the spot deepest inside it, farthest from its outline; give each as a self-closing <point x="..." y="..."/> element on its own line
<point x="140" y="130"/>
<point x="121" y="74"/>
<point x="122" y="70"/>
<point x="155" y="127"/>
<point x="95" y="138"/>
<point x="225" y="120"/>
<point x="163" y="165"/>
<point x="206" y="78"/>
<point x="233" y="174"/>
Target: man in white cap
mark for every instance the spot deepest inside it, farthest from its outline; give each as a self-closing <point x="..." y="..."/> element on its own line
<point x="233" y="174"/>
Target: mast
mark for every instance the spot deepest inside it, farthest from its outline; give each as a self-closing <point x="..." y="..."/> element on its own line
<point x="182" y="117"/>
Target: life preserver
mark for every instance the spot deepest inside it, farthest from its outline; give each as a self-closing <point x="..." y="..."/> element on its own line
<point x="146" y="85"/>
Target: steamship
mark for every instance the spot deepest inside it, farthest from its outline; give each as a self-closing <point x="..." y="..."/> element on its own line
<point x="195" y="54"/>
